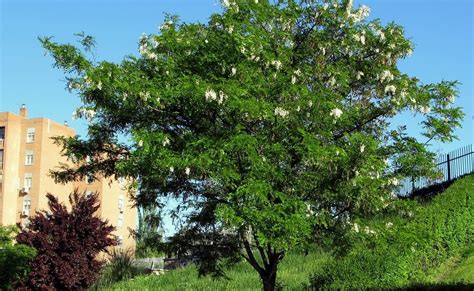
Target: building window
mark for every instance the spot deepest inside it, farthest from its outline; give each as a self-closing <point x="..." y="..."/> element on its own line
<point x="26" y="207"/>
<point x="121" y="203"/>
<point x="89" y="179"/>
<point x="28" y="181"/>
<point x="2" y="132"/>
<point x="1" y="159"/>
<point x="120" y="220"/>
<point x="30" y="135"/>
<point x="88" y="193"/>
<point x="120" y="240"/>
<point x="29" y="158"/>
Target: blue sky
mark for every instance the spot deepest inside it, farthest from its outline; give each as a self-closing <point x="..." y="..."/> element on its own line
<point x="442" y="31"/>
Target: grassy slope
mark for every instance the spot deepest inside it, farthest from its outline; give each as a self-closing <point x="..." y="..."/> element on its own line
<point x="294" y="271"/>
<point x="456" y="269"/>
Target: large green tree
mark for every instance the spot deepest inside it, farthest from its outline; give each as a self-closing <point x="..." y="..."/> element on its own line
<point x="270" y="124"/>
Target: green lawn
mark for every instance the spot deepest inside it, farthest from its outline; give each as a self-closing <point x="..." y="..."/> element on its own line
<point x="294" y="271"/>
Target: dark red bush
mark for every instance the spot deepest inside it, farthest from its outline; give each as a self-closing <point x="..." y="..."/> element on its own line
<point x="68" y="244"/>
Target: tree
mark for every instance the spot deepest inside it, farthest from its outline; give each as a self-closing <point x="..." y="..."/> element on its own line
<point x="270" y="124"/>
<point x="68" y="244"/>
<point x="14" y="258"/>
<point x="149" y="235"/>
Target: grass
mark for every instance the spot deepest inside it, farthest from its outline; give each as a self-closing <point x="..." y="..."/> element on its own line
<point x="293" y="272"/>
<point x="457" y="269"/>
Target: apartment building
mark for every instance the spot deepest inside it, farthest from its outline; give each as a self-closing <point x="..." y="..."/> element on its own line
<point x="27" y="154"/>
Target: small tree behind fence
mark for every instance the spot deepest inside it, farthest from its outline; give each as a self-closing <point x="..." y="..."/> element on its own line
<point x="453" y="165"/>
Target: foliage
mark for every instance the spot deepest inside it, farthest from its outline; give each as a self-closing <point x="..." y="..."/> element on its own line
<point x="120" y="267"/>
<point x="394" y="252"/>
<point x="270" y="124"/>
<point x="68" y="244"/>
<point x="149" y="235"/>
<point x="293" y="274"/>
<point x="14" y="258"/>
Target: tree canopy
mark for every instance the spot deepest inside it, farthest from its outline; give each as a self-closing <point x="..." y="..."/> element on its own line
<point x="271" y="122"/>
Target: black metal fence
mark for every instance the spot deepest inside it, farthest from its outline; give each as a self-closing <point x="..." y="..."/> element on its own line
<point x="453" y="165"/>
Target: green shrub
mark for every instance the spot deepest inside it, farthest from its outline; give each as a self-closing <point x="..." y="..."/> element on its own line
<point x="402" y="249"/>
<point x="120" y="267"/>
<point x="14" y="258"/>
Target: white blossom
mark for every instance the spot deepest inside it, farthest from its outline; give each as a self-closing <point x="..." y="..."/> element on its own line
<point x="336" y="113"/>
<point x="83" y="113"/>
<point x="206" y="41"/>
<point x="310" y="103"/>
<point x="140" y="143"/>
<point x="393" y="181"/>
<point x="293" y="80"/>
<point x="211" y="95"/>
<point x="171" y="169"/>
<point x="222" y="97"/>
<point x="281" y="112"/>
<point x="99" y="85"/>
<point x="332" y="81"/>
<point x="362" y="39"/>
<point x="233" y="71"/>
<point x="152" y="56"/>
<point x="386" y="76"/>
<point x="409" y="52"/>
<point x="388" y="225"/>
<point x="298" y="108"/>
<point x="368" y="230"/>
<point x="356" y="227"/>
<point x="230" y="29"/>
<point x="390" y="89"/>
<point x="323" y="50"/>
<point x="277" y="64"/>
<point x="362" y="148"/>
<point x="144" y="95"/>
<point x="187" y="171"/>
<point x="425" y="109"/>
<point x="166" y="141"/>
<point x="359" y="75"/>
<point x="360" y="14"/>
<point x="226" y="3"/>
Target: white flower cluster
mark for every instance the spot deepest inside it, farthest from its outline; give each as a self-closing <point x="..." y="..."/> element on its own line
<point x="359" y="75"/>
<point x="390" y="89"/>
<point x="281" y="112"/>
<point x="386" y="76"/>
<point x="369" y="231"/>
<point x="211" y="95"/>
<point x="393" y="181"/>
<point x="361" y="14"/>
<point x="360" y="38"/>
<point x="83" y="113"/>
<point x="166" y="141"/>
<point x="336" y="113"/>
<point x="166" y="25"/>
<point x="277" y="64"/>
<point x="388" y="225"/>
<point x="331" y="82"/>
<point x="355" y="226"/>
<point x="144" y="96"/>
<point x="233" y="71"/>
<point x="187" y="171"/>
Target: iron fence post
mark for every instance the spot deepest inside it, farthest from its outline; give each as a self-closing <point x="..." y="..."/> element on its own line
<point x="449" y="169"/>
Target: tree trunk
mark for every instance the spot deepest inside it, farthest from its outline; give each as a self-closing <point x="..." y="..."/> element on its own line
<point x="269" y="276"/>
<point x="269" y="281"/>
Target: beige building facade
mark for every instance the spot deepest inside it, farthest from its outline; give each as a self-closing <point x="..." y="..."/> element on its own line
<point x="27" y="154"/>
